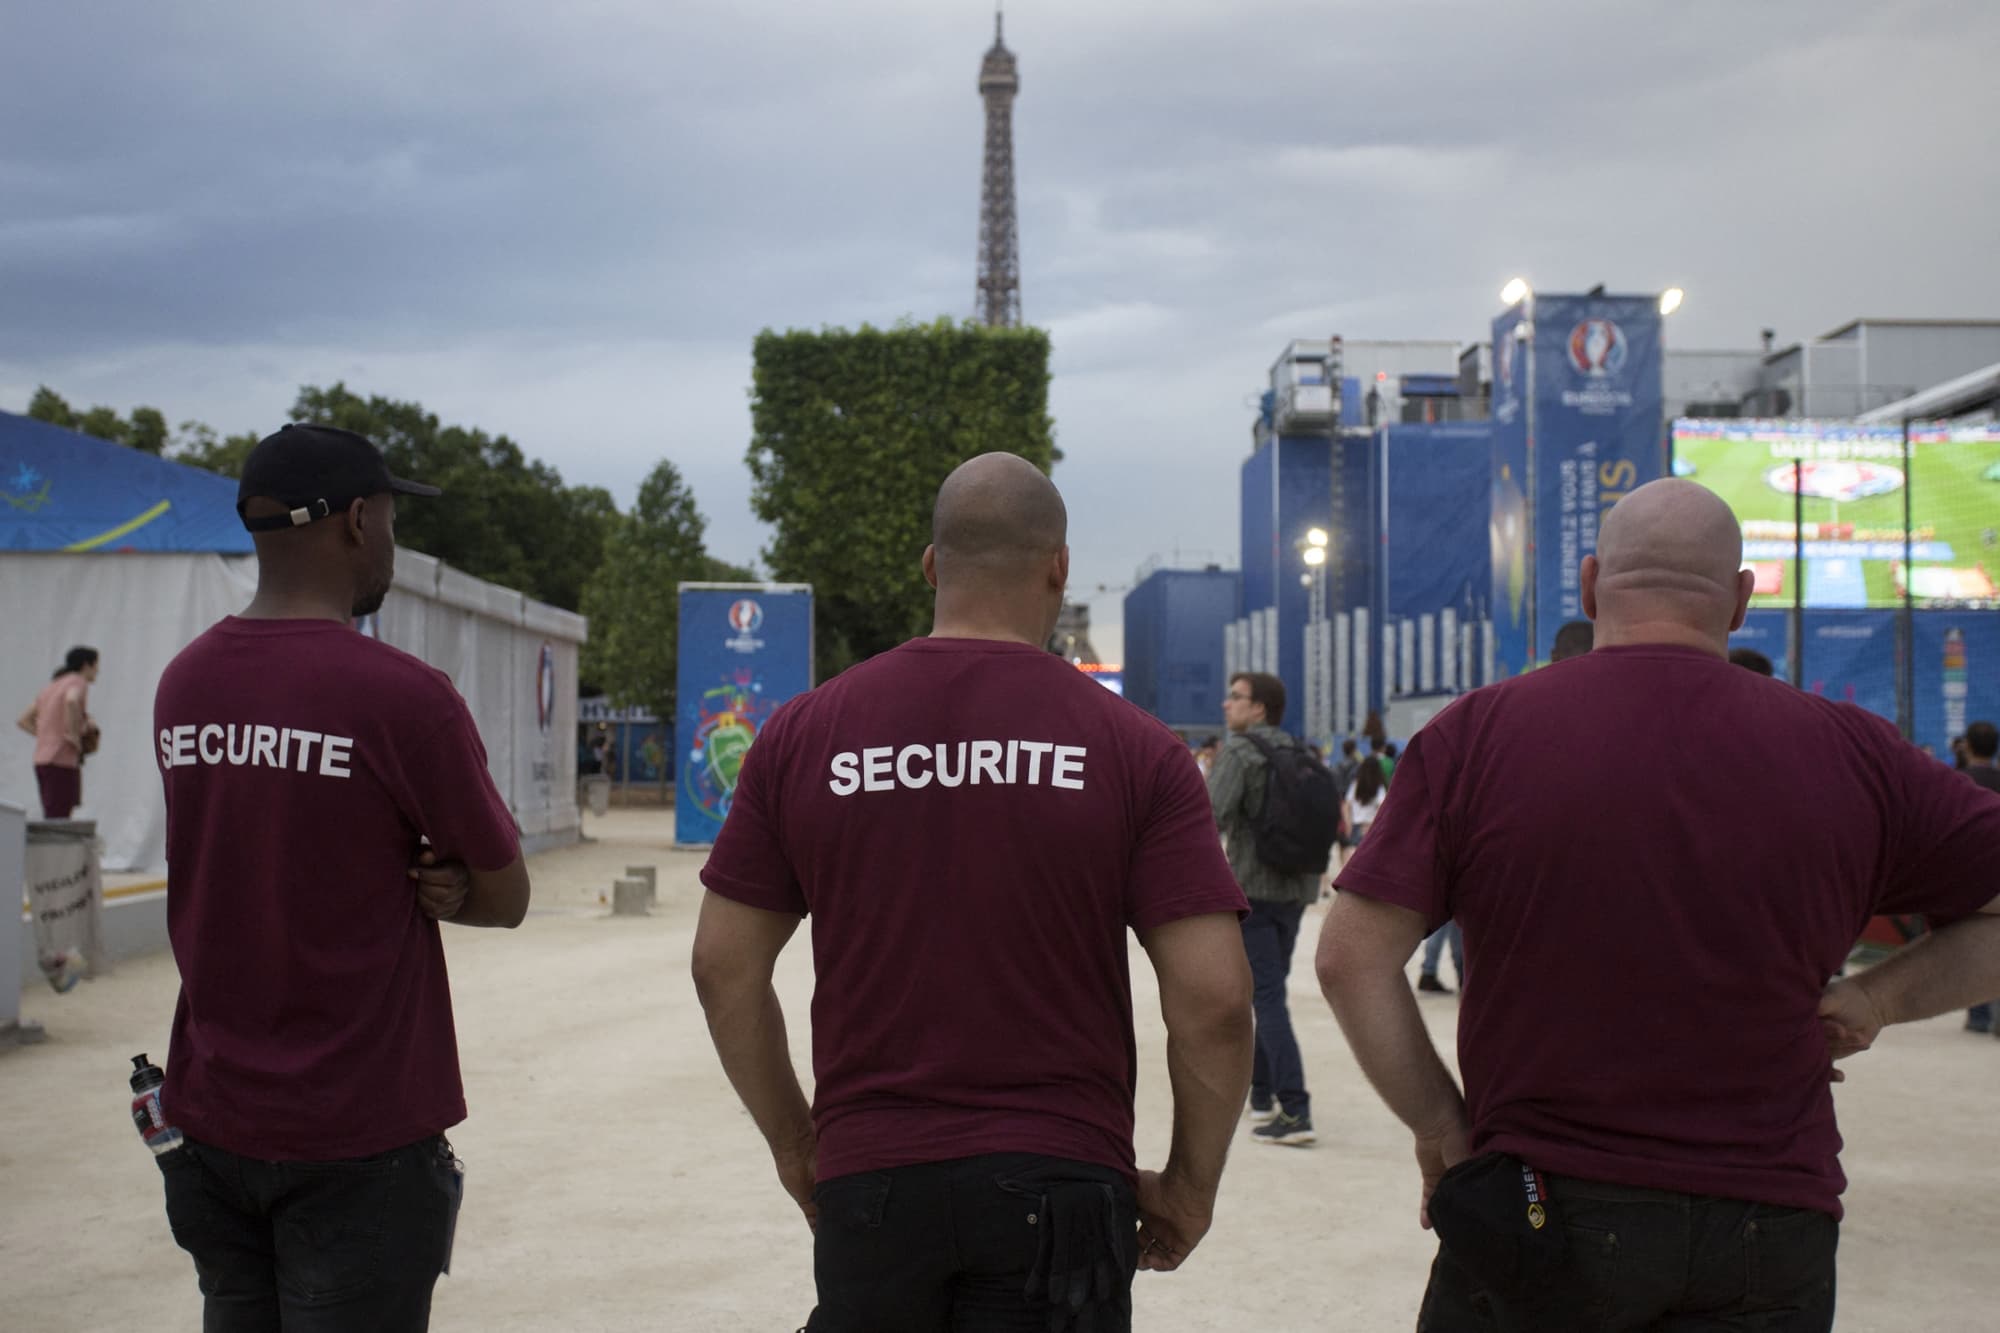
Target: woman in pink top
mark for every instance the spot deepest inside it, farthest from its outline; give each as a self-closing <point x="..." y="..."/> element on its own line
<point x="59" y="720"/>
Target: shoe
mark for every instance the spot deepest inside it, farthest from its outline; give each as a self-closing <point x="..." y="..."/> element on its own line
<point x="1429" y="982"/>
<point x="1262" y="1115"/>
<point x="1290" y="1131"/>
<point x="1974" y="1025"/>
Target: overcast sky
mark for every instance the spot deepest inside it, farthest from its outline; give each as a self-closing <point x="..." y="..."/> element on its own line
<point x="566" y="223"/>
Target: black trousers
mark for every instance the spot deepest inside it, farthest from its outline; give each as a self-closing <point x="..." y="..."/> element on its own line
<point x="1651" y="1260"/>
<point x="313" y="1247"/>
<point x="955" y="1247"/>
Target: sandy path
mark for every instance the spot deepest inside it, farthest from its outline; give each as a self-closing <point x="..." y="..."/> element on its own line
<point x="615" y="1183"/>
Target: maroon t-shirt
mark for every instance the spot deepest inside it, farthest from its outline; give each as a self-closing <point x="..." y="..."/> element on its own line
<point x="1658" y="860"/>
<point x="972" y="825"/>
<point x="302" y="764"/>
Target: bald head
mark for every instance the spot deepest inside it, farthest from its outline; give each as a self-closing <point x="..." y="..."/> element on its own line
<point x="1668" y="568"/>
<point x="998" y="519"/>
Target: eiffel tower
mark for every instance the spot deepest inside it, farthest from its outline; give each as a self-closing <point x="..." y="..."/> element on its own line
<point x="998" y="294"/>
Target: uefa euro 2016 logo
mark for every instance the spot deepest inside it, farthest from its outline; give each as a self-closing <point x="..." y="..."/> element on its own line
<point x="1597" y="347"/>
<point x="745" y="616"/>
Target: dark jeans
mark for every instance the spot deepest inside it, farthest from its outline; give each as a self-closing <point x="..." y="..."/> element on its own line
<point x="950" y="1247"/>
<point x="1269" y="933"/>
<point x="313" y="1247"/>
<point x="1643" y="1259"/>
<point x="62" y="789"/>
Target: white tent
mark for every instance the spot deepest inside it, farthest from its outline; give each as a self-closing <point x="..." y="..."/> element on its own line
<point x="514" y="660"/>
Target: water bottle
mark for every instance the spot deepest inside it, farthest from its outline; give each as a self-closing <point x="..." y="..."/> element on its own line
<point x="147" y="1116"/>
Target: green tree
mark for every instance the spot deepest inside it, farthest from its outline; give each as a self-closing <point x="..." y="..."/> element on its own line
<point x="148" y="431"/>
<point x="105" y="424"/>
<point x="851" y="435"/>
<point x="199" y="446"/>
<point x="503" y="516"/>
<point x="633" y="599"/>
<point x="50" y="406"/>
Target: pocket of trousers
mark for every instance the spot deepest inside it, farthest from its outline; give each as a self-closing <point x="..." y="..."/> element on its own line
<point x="1494" y="1215"/>
<point x="1084" y="1248"/>
<point x="852" y="1203"/>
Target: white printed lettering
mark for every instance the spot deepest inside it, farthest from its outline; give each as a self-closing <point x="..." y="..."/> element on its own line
<point x="285" y="748"/>
<point x="237" y="756"/>
<point x="335" y="755"/>
<point x="183" y="745"/>
<point x="166" y="748"/>
<point x="986" y="759"/>
<point x="305" y="740"/>
<point x="875" y="768"/>
<point x="846" y="774"/>
<point x="1066" y="767"/>
<point x="264" y="747"/>
<point x="944" y="777"/>
<point x="201" y="744"/>
<point x="1035" y="750"/>
<point x="903" y="774"/>
<point x="1013" y="760"/>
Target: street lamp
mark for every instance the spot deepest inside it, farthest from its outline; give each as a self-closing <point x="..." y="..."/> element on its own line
<point x="1312" y="550"/>
<point x="1670" y="300"/>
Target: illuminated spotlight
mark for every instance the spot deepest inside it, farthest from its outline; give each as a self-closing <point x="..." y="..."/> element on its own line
<point x="1670" y="300"/>
<point x="1515" y="289"/>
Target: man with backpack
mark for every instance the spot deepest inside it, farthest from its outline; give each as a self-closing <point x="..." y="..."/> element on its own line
<point x="1280" y="811"/>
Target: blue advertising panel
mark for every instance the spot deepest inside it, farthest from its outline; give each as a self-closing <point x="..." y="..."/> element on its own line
<point x="1850" y="656"/>
<point x="1957" y="674"/>
<point x="1434" y="548"/>
<point x="1598" y="434"/>
<point x="1508" y="537"/>
<point x="1769" y="633"/>
<point x="743" y="650"/>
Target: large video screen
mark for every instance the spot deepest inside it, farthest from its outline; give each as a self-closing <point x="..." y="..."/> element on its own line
<point x="1854" y="486"/>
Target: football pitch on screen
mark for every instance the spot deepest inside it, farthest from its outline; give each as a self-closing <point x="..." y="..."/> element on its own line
<point x="1854" y="535"/>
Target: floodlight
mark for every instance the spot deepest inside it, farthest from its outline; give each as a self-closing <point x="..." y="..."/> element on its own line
<point x="1315" y="555"/>
<point x="1316" y="537"/>
<point x="1515" y="289"/>
<point x="1670" y="300"/>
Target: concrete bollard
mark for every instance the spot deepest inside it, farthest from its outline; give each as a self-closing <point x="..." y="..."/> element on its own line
<point x="651" y="876"/>
<point x="630" y="897"/>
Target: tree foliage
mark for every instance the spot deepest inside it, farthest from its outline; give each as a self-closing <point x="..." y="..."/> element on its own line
<point x="503" y="516"/>
<point x="633" y="599"/>
<point x="145" y="430"/>
<point x="851" y="435"/>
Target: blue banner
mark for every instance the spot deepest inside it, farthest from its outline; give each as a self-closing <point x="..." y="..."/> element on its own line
<point x="1597" y="434"/>
<point x="1850" y="657"/>
<point x="1508" y="537"/>
<point x="1957" y="675"/>
<point x="743" y="650"/>
<point x="1433" y="555"/>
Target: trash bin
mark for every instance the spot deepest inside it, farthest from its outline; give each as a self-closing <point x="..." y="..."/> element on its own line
<point x="65" y="899"/>
<point x="597" y="793"/>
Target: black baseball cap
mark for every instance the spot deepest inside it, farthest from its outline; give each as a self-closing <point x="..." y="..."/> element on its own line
<point x="314" y="471"/>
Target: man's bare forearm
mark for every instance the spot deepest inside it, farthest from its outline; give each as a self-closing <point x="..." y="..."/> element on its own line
<point x="1209" y="1068"/>
<point x="1947" y="969"/>
<point x="1378" y="1013"/>
<point x="747" y="1025"/>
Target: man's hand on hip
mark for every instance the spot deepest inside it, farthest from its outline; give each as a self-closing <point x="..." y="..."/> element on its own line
<point x="1173" y="1217"/>
<point x="1437" y="1153"/>
<point x="796" y="1169"/>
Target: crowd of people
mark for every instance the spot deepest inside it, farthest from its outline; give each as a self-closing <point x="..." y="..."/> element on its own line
<point x="1652" y="1002"/>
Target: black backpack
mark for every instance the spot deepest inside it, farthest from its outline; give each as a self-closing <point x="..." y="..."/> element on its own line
<point x="1300" y="818"/>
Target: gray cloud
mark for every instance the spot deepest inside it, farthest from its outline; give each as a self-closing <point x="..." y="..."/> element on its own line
<point x="568" y="223"/>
